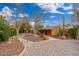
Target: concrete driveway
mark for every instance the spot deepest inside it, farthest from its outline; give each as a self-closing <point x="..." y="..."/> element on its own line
<point x="50" y="47"/>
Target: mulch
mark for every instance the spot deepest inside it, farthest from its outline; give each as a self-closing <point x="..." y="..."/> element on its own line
<point x="12" y="47"/>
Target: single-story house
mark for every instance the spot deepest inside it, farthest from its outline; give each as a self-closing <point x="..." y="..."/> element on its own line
<point x="52" y="31"/>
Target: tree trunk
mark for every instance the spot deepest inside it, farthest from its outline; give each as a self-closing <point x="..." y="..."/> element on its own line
<point x="77" y="34"/>
<point x="17" y="34"/>
<point x="34" y="30"/>
<point x="17" y="30"/>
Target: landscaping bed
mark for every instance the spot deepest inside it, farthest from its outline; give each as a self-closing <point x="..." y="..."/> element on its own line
<point x="12" y="47"/>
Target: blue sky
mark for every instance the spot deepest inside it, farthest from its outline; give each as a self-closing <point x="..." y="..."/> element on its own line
<point x="52" y="12"/>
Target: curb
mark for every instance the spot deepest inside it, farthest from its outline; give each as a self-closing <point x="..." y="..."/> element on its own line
<point x="23" y="48"/>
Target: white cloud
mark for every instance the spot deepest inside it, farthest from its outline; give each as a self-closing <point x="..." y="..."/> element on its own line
<point x="52" y="16"/>
<point x="6" y="11"/>
<point x="26" y="15"/>
<point x="15" y="9"/>
<point x="46" y="21"/>
<point x="32" y="23"/>
<point x="52" y="7"/>
<point x="70" y="13"/>
<point x="67" y="7"/>
<point x="23" y="15"/>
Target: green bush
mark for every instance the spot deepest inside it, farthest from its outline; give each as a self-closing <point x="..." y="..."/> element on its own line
<point x="11" y="32"/>
<point x="72" y="32"/>
<point x="4" y="33"/>
<point x="4" y="36"/>
<point x="6" y="30"/>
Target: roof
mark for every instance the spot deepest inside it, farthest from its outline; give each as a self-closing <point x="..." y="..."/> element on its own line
<point x="49" y="28"/>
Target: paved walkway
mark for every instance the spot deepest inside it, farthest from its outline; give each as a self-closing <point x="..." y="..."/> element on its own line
<point x="50" y="47"/>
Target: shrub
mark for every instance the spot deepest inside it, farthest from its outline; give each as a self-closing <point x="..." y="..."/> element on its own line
<point x="11" y="31"/>
<point x="6" y="30"/>
<point x="72" y="32"/>
<point x="4" y="36"/>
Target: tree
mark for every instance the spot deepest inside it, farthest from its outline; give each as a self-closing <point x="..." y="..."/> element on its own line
<point x="38" y="26"/>
<point x="18" y="9"/>
<point x="5" y="31"/>
<point x="25" y="26"/>
<point x="76" y="14"/>
<point x="37" y="18"/>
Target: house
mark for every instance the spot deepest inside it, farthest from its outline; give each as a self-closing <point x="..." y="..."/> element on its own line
<point x="51" y="31"/>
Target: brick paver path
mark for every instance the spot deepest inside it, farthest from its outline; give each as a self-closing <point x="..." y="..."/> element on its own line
<point x="50" y="47"/>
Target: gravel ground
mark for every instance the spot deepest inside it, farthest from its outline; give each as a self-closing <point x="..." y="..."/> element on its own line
<point x="50" y="47"/>
<point x="11" y="48"/>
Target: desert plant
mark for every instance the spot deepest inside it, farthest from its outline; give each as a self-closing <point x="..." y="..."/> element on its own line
<point x="72" y="32"/>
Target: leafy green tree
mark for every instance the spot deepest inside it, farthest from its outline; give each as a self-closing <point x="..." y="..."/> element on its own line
<point x="4" y="29"/>
<point x="25" y="26"/>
